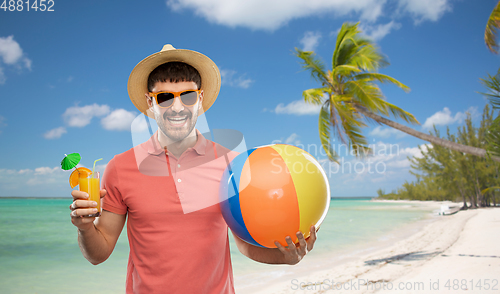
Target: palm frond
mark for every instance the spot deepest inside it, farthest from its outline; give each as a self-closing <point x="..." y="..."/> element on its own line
<point x="353" y="49"/>
<point x="324" y="133"/>
<point x="352" y="125"/>
<point x="315" y="96"/>
<point x="492" y="83"/>
<point x="490" y="34"/>
<point x="484" y="191"/>
<point x="344" y="43"/>
<point x="493" y="138"/>
<point x="398" y="112"/>
<point x="345" y="70"/>
<point x="314" y="64"/>
<point x="381" y="78"/>
<point x="345" y="54"/>
<point x="333" y="104"/>
<point x="368" y="57"/>
<point x="364" y="93"/>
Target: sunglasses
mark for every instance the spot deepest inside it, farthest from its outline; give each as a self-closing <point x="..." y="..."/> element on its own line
<point x="166" y="99"/>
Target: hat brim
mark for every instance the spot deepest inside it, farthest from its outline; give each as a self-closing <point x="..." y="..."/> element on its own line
<point x="209" y="72"/>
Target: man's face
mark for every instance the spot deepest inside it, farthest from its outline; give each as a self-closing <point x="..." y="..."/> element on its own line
<point x="177" y="121"/>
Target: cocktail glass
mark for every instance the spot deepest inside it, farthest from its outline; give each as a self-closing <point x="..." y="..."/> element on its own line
<point x="92" y="186"/>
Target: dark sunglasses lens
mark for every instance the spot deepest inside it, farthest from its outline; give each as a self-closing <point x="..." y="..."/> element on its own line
<point x="189" y="97"/>
<point x="165" y="99"/>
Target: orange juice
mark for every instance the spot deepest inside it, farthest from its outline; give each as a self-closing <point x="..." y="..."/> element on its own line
<point x="92" y="187"/>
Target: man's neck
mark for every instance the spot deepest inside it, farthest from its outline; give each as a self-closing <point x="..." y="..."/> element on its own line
<point x="177" y="147"/>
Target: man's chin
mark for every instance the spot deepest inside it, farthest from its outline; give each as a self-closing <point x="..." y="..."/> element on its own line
<point x="177" y="135"/>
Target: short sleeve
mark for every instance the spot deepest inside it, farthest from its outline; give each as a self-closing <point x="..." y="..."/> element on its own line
<point x="113" y="200"/>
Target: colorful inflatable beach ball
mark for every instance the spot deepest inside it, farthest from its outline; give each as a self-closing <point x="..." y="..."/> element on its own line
<point x="271" y="192"/>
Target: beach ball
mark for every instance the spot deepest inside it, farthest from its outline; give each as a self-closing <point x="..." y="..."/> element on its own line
<point x="274" y="191"/>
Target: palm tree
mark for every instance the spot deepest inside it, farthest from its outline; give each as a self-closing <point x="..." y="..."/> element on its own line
<point x="492" y="83"/>
<point x="349" y="96"/>
<point x="493" y="24"/>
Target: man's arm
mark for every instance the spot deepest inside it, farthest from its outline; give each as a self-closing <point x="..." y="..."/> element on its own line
<point x="290" y="254"/>
<point x="96" y="237"/>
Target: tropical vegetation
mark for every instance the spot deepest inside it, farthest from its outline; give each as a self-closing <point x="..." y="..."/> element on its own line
<point x="443" y="174"/>
<point x="493" y="82"/>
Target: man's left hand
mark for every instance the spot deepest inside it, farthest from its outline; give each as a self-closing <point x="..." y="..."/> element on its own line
<point x="293" y="253"/>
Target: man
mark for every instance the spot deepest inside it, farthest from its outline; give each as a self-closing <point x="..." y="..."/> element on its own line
<point x="167" y="186"/>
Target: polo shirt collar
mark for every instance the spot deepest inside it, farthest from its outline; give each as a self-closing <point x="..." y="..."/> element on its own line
<point x="154" y="147"/>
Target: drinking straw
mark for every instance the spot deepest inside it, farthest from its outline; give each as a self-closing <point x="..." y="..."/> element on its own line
<point x="94" y="166"/>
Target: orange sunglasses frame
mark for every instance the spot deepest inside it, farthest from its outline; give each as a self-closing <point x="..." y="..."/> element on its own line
<point x="176" y="94"/>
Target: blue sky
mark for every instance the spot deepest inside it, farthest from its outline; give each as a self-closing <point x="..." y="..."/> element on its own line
<point x="63" y="77"/>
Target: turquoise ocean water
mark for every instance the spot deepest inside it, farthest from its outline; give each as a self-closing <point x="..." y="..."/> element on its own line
<point x="39" y="251"/>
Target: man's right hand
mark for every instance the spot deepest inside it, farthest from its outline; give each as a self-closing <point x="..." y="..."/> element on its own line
<point x="81" y="207"/>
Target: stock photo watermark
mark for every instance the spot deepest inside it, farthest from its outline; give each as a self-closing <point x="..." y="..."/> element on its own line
<point x="368" y="285"/>
<point x="371" y="162"/>
<point x="29" y="5"/>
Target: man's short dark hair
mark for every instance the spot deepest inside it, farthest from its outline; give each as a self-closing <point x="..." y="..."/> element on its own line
<point x="174" y="72"/>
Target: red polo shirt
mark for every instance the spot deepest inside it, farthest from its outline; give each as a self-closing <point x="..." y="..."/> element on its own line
<point x="177" y="236"/>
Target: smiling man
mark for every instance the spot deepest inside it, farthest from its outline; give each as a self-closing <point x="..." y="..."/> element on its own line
<point x="166" y="188"/>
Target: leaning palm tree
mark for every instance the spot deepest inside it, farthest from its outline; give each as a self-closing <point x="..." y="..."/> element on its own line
<point x="349" y="96"/>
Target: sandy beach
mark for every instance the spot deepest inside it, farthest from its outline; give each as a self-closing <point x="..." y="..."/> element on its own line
<point x="443" y="254"/>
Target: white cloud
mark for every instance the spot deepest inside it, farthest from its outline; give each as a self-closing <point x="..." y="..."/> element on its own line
<point x="118" y="120"/>
<point x="39" y="181"/>
<point x="77" y="116"/>
<point x="298" y="107"/>
<point x="386" y="132"/>
<point x="387" y="168"/>
<point x="81" y="116"/>
<point x="399" y="163"/>
<point x="415" y="151"/>
<point x="230" y="78"/>
<point x="310" y="41"/>
<point x="378" y="32"/>
<point x="12" y="54"/>
<point x="271" y="15"/>
<point x="29" y="182"/>
<point x="55" y="133"/>
<point x="46" y="170"/>
<point x="425" y="9"/>
<point x="10" y="51"/>
<point x="393" y="154"/>
<point x="444" y="117"/>
<point x="400" y="160"/>
<point x="292" y="139"/>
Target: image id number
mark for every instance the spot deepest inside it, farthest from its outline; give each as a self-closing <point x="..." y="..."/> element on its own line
<point x="482" y="284"/>
<point x="20" y="5"/>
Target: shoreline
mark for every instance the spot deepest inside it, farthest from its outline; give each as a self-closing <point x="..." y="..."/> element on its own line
<point x="403" y="258"/>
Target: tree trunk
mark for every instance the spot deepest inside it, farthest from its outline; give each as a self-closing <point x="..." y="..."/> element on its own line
<point x="477" y="186"/>
<point x="472" y="198"/>
<point x="426" y="137"/>
<point x="462" y="193"/>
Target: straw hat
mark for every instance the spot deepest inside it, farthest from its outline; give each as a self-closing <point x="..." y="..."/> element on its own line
<point x="138" y="79"/>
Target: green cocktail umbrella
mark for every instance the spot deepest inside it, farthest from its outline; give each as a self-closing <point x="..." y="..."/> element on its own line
<point x="70" y="161"/>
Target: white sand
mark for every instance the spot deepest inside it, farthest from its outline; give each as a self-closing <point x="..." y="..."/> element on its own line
<point x="453" y="254"/>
